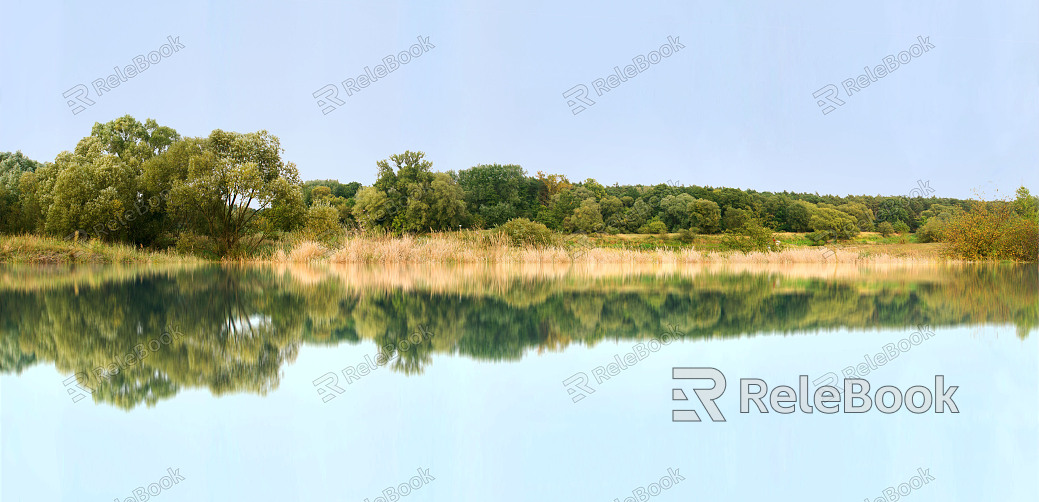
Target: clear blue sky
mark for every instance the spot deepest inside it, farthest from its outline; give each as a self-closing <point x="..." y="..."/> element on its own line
<point x="732" y="108"/>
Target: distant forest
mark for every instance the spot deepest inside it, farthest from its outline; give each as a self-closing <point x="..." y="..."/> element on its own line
<point x="144" y="184"/>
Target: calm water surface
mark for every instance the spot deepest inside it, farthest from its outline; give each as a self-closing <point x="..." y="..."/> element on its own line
<point x="336" y="383"/>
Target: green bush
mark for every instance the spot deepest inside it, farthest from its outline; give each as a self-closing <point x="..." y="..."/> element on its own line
<point x="901" y="227"/>
<point x="936" y="223"/>
<point x="931" y="231"/>
<point x="523" y="232"/>
<point x="653" y="227"/>
<point x="750" y="237"/>
<point x="322" y="223"/>
<point x="885" y="228"/>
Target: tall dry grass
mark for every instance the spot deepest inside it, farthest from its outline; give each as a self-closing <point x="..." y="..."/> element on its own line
<point x="494" y="248"/>
<point x="35" y="249"/>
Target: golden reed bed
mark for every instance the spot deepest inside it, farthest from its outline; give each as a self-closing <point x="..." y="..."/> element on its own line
<point x="437" y="249"/>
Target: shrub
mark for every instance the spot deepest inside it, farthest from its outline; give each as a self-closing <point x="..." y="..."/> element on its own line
<point x="901" y="227"/>
<point x="750" y="237"/>
<point x="654" y="227"/>
<point x="885" y="228"/>
<point x="931" y="231"/>
<point x="992" y="231"/>
<point x="322" y="223"/>
<point x="523" y="232"/>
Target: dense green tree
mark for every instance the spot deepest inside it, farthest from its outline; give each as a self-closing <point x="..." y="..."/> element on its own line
<point x="675" y="211"/>
<point x="12" y="212"/>
<point x="587" y="217"/>
<point x="893" y="210"/>
<point x="337" y="189"/>
<point x="834" y="223"/>
<point x="372" y="208"/>
<point x="493" y="186"/>
<point x="799" y="215"/>
<point x="704" y="216"/>
<point x="635" y="216"/>
<point x="447" y="205"/>
<point x="735" y="218"/>
<point x="229" y="181"/>
<point x="132" y="141"/>
<point x="863" y="216"/>
<point x="1026" y="205"/>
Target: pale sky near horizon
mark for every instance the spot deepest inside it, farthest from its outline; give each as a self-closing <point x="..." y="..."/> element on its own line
<point x="734" y="107"/>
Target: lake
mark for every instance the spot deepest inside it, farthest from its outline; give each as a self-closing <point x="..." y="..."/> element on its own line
<point x="516" y="382"/>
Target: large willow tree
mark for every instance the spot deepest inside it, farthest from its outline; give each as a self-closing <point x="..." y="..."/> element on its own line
<point x="231" y="187"/>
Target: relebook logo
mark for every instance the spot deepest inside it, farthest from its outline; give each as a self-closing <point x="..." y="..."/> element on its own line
<point x="577" y="97"/>
<point x="785" y="400"/>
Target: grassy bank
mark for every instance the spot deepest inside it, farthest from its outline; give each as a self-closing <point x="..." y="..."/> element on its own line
<point x="49" y="250"/>
<point x="490" y="247"/>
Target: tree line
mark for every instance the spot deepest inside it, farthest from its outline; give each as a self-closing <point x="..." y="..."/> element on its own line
<point x="144" y="184"/>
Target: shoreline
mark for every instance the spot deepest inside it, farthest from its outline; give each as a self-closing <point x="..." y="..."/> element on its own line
<point x="446" y="248"/>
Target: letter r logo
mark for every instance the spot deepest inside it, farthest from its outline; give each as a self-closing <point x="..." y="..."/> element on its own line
<point x="577" y="386"/>
<point x="76" y="390"/>
<point x="706" y="396"/>
<point x="79" y="92"/>
<point x="331" y="387"/>
<point x="331" y="93"/>
<point x="579" y="93"/>
<point x="830" y="93"/>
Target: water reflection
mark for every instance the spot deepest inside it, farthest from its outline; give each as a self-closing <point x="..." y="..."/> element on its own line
<point x="237" y="326"/>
